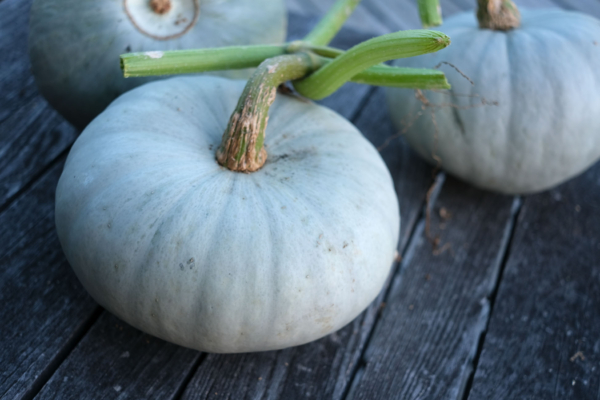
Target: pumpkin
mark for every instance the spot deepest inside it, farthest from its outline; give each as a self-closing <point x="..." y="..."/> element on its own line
<point x="530" y="121"/>
<point x="74" y="45"/>
<point x="180" y="247"/>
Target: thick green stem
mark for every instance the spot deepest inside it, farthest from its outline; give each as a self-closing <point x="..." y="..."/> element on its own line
<point x="401" y="44"/>
<point x="242" y="147"/>
<point x="331" y="23"/>
<point x="500" y="15"/>
<point x="410" y="78"/>
<point x="430" y="13"/>
<point x="202" y="60"/>
<point x="325" y="51"/>
<point x="197" y="60"/>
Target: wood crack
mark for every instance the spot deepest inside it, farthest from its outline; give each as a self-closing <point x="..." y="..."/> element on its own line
<point x="503" y="259"/>
<point x="406" y="255"/>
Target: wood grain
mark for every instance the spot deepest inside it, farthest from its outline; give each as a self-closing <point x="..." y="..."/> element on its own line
<point x="32" y="134"/>
<point x="544" y="337"/>
<point x="115" y="360"/>
<point x="427" y="336"/>
<point x="45" y="310"/>
<point x="542" y="342"/>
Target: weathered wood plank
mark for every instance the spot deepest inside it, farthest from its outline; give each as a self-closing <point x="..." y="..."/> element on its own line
<point x="32" y="134"/>
<point x="543" y="340"/>
<point x="427" y="336"/>
<point x="45" y="310"/>
<point x="116" y="360"/>
<point x="322" y="369"/>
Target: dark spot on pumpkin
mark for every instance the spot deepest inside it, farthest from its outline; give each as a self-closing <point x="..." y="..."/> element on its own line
<point x="345" y="245"/>
<point x="281" y="157"/>
<point x="458" y="120"/>
<point x="128" y="49"/>
<point x="210" y="147"/>
<point x="181" y="266"/>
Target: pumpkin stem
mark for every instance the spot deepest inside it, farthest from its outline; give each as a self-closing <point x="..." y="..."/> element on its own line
<point x="160" y="6"/>
<point x="430" y="13"/>
<point x="242" y="147"/>
<point x="367" y="54"/>
<point x="331" y="23"/>
<point x="501" y="15"/>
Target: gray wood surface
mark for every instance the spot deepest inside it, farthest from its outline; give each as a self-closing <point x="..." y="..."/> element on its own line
<point x="437" y="308"/>
<point x="115" y="360"/>
<point x="44" y="308"/>
<point x="32" y="134"/>
<point x="428" y="334"/>
<point x="543" y="340"/>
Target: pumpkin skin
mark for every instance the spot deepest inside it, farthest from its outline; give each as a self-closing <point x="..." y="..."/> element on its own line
<point x="74" y="45"/>
<point x="545" y="79"/>
<point x="171" y="242"/>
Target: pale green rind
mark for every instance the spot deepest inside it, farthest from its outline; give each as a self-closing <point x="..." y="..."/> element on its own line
<point x="181" y="248"/>
<point x="75" y="45"/>
<point x="541" y="87"/>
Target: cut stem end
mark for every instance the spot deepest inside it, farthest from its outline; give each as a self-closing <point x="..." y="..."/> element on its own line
<point x="160" y="6"/>
<point x="500" y="15"/>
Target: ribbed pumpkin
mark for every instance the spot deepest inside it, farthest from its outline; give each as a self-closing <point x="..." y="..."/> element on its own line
<point x="168" y="240"/>
<point x="540" y="82"/>
<point x="74" y="45"/>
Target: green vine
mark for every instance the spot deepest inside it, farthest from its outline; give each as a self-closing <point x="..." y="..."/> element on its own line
<point x="430" y="13"/>
<point x="315" y="69"/>
<point x="401" y="44"/>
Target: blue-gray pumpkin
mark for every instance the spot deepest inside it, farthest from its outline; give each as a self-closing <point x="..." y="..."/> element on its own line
<point x="182" y="248"/>
<point x="74" y="45"/>
<point x="532" y="118"/>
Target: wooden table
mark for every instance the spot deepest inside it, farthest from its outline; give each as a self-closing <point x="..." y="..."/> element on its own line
<point x="508" y="307"/>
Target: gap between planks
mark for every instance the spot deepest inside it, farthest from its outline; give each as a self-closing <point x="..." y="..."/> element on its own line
<point x="506" y="246"/>
<point x="406" y="255"/>
<point x="62" y="355"/>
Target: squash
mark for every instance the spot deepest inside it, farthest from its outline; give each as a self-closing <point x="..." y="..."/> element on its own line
<point x="530" y="121"/>
<point x="180" y="247"/>
<point x="74" y="45"/>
